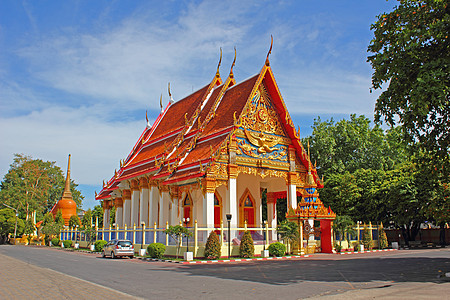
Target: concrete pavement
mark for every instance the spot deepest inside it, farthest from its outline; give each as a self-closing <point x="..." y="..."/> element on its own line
<point x="20" y="280"/>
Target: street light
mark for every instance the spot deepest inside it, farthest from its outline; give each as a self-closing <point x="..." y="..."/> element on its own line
<point x="264" y="233"/>
<point x="143" y="233"/>
<point x="17" y="215"/>
<point x="229" y="235"/>
<point x="186" y="221"/>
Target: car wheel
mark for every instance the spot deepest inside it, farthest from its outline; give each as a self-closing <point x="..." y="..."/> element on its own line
<point x="103" y="254"/>
<point x="131" y="257"/>
<point x="113" y="255"/>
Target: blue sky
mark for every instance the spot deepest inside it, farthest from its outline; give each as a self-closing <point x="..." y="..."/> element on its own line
<point x="77" y="76"/>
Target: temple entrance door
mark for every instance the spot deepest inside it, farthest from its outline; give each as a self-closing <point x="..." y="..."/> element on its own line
<point x="187" y="209"/>
<point x="249" y="212"/>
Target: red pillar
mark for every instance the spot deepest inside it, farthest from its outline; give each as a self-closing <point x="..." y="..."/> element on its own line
<point x="325" y="236"/>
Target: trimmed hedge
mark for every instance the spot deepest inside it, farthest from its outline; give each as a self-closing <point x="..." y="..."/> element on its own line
<point x="246" y="249"/>
<point x="277" y="249"/>
<point x="67" y="244"/>
<point x="156" y="250"/>
<point x="99" y="245"/>
<point x="212" y="247"/>
<point x="55" y="241"/>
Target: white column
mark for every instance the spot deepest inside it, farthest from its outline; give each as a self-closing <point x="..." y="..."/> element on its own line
<point x="106" y="216"/>
<point x="153" y="205"/>
<point x="143" y="205"/>
<point x="134" y="203"/>
<point x="119" y="216"/>
<point x="292" y="196"/>
<point x="208" y="210"/>
<point x="163" y="209"/>
<point x="127" y="212"/>
<point x="231" y="205"/>
<point x="271" y="216"/>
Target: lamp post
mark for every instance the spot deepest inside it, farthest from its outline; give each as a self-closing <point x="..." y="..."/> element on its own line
<point x="229" y="235"/>
<point x="264" y="234"/>
<point x="17" y="215"/>
<point x="186" y="221"/>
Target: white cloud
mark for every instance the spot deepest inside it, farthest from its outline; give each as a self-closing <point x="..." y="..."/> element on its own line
<point x="84" y="87"/>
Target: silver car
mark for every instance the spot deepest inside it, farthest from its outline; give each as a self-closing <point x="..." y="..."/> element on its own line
<point x="118" y="248"/>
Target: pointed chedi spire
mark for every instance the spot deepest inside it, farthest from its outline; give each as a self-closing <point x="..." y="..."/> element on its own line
<point x="66" y="205"/>
<point x="67" y="193"/>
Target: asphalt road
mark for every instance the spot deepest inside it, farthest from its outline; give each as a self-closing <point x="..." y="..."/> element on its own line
<point x="318" y="275"/>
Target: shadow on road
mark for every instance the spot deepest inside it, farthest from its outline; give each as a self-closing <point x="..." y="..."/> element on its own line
<point x="352" y="270"/>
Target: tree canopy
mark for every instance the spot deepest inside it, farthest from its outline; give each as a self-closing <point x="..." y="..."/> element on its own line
<point x="411" y="55"/>
<point x="34" y="184"/>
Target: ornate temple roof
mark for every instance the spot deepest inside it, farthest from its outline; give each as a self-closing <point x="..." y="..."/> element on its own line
<point x="190" y="134"/>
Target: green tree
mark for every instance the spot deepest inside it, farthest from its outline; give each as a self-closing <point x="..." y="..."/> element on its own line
<point x="86" y="225"/>
<point x="367" y="238"/>
<point x="382" y="238"/>
<point x="97" y="213"/>
<point x="343" y="225"/>
<point x="410" y="55"/>
<point x="50" y="228"/>
<point x="29" y="229"/>
<point x="8" y="223"/>
<point x="289" y="232"/>
<point x="34" y="185"/>
<point x="213" y="249"/>
<point x="74" y="221"/>
<point x="177" y="232"/>
<point x="59" y="218"/>
<point x="246" y="248"/>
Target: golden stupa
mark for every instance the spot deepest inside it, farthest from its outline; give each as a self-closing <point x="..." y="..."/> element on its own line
<point x="66" y="204"/>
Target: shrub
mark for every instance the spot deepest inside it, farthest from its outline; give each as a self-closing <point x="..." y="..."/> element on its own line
<point x="99" y="245"/>
<point x="246" y="249"/>
<point x="337" y="247"/>
<point x="67" y="244"/>
<point x="55" y="241"/>
<point x="356" y="246"/>
<point x="213" y="250"/>
<point x="277" y="249"/>
<point x="156" y="250"/>
<point x="367" y="239"/>
<point x="383" y="242"/>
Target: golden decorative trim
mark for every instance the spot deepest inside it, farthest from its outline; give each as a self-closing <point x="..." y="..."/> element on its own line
<point x="263" y="173"/>
<point x="134" y="185"/>
<point x="126" y="194"/>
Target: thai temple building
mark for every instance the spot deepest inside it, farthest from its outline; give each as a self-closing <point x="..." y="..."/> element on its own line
<point x="66" y="204"/>
<point x="212" y="154"/>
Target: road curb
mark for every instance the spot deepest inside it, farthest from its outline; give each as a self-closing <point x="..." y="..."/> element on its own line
<point x="368" y="251"/>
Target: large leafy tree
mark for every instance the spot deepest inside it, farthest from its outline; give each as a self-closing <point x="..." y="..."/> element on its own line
<point x="411" y="62"/>
<point x="33" y="184"/>
<point x="8" y="224"/>
<point x="349" y="145"/>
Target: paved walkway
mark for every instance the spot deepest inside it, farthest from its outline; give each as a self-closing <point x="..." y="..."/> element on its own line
<point x="19" y="280"/>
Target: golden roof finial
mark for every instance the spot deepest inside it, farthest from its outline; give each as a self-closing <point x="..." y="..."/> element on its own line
<point x="298" y="131"/>
<point x="270" y="51"/>
<point x="95" y="194"/>
<point x="220" y="61"/>
<point x="234" y="62"/>
<point x="170" y="95"/>
<point x="160" y="103"/>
